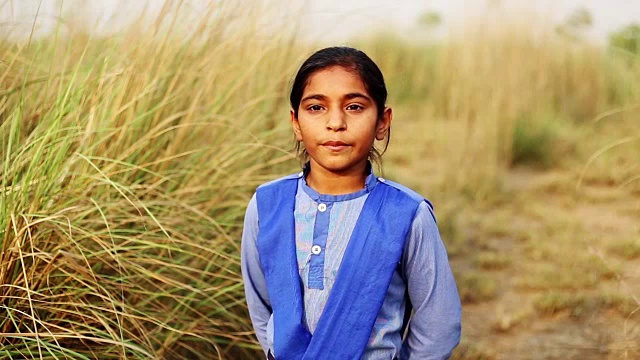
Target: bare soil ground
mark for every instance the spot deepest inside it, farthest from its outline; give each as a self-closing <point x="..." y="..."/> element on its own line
<point x="548" y="266"/>
<point x="568" y="291"/>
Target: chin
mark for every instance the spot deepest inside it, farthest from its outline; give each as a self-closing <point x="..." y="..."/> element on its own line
<point x="339" y="166"/>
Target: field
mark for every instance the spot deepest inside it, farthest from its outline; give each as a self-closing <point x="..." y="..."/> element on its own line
<point x="126" y="162"/>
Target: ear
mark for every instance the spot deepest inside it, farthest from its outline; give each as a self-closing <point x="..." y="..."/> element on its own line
<point x="296" y="125"/>
<point x="384" y="124"/>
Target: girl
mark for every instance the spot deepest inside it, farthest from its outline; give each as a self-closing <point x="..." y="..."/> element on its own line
<point x="334" y="259"/>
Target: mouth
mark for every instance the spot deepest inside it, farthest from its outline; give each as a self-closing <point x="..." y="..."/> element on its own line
<point x="335" y="145"/>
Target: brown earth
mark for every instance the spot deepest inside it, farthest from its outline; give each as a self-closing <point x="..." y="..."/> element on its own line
<point x="547" y="266"/>
<point x="570" y="296"/>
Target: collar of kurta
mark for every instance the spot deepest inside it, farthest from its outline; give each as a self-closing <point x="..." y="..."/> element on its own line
<point x="370" y="182"/>
<point x="371" y="257"/>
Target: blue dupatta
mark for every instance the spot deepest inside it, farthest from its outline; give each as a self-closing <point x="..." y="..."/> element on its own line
<point x="371" y="257"/>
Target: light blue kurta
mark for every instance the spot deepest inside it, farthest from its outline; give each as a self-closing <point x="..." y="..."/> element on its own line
<point x="323" y="226"/>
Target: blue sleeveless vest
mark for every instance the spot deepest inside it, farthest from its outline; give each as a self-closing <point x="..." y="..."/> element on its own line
<point x="371" y="257"/>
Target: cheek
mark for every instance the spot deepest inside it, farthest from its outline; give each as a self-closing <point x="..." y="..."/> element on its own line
<point x="368" y="130"/>
<point x="304" y="131"/>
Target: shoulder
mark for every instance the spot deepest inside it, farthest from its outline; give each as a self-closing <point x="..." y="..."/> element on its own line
<point x="284" y="179"/>
<point x="407" y="191"/>
<point x="268" y="192"/>
<point x="251" y="213"/>
<point x="278" y="193"/>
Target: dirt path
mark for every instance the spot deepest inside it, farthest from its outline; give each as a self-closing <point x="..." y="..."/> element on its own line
<point x="570" y="288"/>
<point x="546" y="269"/>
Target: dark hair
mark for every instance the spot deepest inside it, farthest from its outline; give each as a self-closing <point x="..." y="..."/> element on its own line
<point x="350" y="59"/>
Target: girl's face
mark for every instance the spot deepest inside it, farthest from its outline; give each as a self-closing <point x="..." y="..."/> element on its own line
<point x="338" y="122"/>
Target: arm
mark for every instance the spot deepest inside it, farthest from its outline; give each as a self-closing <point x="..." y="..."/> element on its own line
<point x="434" y="330"/>
<point x="255" y="286"/>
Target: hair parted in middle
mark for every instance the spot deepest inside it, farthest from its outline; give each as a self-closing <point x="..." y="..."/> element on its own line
<point x="352" y="60"/>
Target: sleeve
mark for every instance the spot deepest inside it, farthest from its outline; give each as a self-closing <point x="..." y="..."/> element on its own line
<point x="255" y="286"/>
<point x="435" y="328"/>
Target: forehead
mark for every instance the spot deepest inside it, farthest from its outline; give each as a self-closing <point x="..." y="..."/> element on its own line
<point x="335" y="79"/>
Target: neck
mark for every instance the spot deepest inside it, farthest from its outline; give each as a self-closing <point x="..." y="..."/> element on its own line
<point x="332" y="183"/>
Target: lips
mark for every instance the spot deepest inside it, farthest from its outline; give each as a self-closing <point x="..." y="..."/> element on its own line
<point x="335" y="145"/>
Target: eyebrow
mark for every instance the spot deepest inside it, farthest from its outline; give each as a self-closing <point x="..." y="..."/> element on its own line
<point x="348" y="96"/>
<point x="313" y="97"/>
<point x="356" y="95"/>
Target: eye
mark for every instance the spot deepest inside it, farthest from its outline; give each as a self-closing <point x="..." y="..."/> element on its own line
<point x="355" y="107"/>
<point x="314" y="108"/>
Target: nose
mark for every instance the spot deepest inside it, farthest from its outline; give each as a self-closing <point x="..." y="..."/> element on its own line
<point x="336" y="121"/>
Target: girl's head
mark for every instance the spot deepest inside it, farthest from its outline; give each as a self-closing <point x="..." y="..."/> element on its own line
<point x="354" y="62"/>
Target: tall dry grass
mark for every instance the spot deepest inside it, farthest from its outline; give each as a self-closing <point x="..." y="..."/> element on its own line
<point x="126" y="162"/>
<point x="517" y="92"/>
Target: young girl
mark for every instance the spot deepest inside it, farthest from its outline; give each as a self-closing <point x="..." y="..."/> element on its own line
<point x="334" y="259"/>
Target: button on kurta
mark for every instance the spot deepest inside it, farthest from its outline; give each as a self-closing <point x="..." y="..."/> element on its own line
<point x="322" y="207"/>
<point x="316" y="249"/>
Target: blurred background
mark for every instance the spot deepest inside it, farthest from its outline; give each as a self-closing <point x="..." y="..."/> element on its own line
<point x="132" y="135"/>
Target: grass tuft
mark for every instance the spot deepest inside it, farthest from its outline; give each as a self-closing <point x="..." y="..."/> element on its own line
<point x="476" y="287"/>
<point x="533" y="142"/>
<point x="487" y="260"/>
<point x="554" y="302"/>
<point x="629" y="249"/>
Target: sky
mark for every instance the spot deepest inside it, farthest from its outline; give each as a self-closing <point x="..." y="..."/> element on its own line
<point x="608" y="15"/>
<point x="331" y="20"/>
